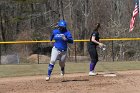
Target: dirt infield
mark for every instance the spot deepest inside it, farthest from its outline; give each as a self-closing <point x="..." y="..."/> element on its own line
<point x="124" y="82"/>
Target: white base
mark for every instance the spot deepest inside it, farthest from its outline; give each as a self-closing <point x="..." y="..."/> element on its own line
<point x="109" y="75"/>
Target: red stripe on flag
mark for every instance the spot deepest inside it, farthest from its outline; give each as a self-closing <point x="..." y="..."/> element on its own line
<point x="132" y="24"/>
<point x="132" y="21"/>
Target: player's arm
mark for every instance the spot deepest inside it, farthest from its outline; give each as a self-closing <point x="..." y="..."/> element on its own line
<point x="95" y="41"/>
<point x="68" y="38"/>
<point x="52" y="36"/>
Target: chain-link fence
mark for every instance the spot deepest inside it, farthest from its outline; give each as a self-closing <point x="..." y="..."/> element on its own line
<point x="38" y="53"/>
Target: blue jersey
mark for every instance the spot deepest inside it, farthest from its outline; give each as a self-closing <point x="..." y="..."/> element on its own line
<point x="61" y="44"/>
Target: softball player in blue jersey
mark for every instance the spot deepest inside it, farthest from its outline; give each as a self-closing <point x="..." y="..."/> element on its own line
<point x="59" y="51"/>
<point x="93" y="43"/>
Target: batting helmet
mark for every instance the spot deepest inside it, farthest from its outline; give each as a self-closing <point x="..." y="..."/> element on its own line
<point x="62" y="23"/>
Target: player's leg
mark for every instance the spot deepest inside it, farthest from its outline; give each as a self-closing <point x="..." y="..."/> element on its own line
<point x="54" y="55"/>
<point x="62" y="67"/>
<point x="94" y="59"/>
<point x="62" y="62"/>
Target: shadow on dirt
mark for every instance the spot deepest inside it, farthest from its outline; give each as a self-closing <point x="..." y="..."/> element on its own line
<point x="75" y="80"/>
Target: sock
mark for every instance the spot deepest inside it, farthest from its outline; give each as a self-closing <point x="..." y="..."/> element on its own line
<point x="62" y="68"/>
<point x="92" y="65"/>
<point x="50" y="68"/>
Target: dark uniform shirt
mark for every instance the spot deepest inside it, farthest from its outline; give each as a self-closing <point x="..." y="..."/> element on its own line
<point x="96" y="35"/>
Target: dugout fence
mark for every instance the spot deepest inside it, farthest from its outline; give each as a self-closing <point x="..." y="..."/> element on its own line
<point x="30" y="52"/>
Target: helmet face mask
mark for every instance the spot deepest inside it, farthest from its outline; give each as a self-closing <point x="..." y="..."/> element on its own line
<point x="62" y="29"/>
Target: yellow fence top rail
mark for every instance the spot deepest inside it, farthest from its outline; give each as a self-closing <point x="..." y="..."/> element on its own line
<point x="47" y="41"/>
<point x="111" y="39"/>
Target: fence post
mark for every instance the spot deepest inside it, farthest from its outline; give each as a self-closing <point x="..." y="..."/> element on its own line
<point x="38" y="53"/>
<point x="0" y="53"/>
<point x="112" y="51"/>
<point x="75" y="52"/>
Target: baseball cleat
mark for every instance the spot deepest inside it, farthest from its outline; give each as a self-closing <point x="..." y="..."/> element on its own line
<point x="62" y="73"/>
<point x="47" y="78"/>
<point x="92" y="73"/>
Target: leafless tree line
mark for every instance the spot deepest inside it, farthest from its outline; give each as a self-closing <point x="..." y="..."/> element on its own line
<point x="35" y="19"/>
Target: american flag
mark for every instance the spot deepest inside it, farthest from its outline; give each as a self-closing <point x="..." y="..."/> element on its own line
<point x="135" y="13"/>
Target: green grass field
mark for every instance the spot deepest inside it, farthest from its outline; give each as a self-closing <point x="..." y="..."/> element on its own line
<point x="41" y="69"/>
